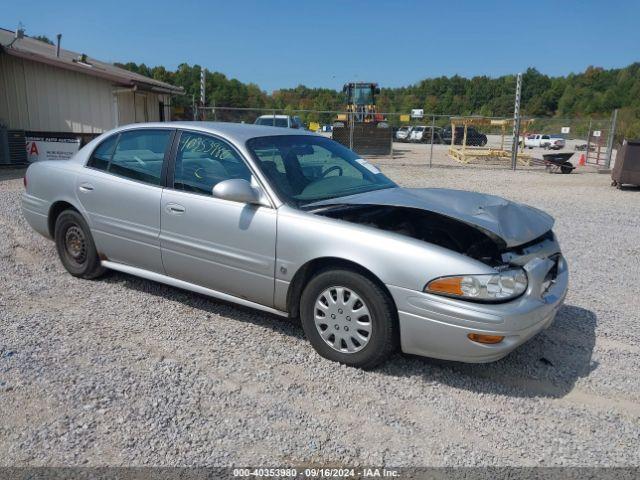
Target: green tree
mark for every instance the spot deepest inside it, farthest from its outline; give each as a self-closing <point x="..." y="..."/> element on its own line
<point x="43" y="38"/>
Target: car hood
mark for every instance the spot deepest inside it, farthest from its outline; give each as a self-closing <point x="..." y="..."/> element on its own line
<point x="513" y="222"/>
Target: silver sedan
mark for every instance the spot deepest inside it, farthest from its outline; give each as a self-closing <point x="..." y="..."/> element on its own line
<point x="295" y="224"/>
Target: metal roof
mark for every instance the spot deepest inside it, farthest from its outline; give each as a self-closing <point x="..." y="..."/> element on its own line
<point x="37" y="51"/>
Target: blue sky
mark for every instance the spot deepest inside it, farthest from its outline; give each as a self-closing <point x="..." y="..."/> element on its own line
<point x="324" y="43"/>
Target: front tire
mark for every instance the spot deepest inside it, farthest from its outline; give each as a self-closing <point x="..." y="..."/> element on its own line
<point x="75" y="246"/>
<point x="348" y="318"/>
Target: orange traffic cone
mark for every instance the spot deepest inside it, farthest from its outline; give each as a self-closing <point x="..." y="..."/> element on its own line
<point x="582" y="162"/>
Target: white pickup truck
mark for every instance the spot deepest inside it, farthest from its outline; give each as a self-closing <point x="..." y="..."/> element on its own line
<point x="544" y="141"/>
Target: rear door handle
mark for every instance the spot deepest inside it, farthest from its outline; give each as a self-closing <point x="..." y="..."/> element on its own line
<point x="85" y="187"/>
<point x="175" y="208"/>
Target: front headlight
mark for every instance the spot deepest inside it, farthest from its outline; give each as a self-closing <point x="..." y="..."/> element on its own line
<point x="500" y="286"/>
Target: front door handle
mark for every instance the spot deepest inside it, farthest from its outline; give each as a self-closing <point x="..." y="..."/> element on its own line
<point x="175" y="208"/>
<point x="85" y="187"/>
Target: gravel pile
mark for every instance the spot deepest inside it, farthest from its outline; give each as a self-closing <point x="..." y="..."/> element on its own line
<point x="123" y="371"/>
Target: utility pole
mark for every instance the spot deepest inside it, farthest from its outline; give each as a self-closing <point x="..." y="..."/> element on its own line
<point x="203" y="73"/>
<point x="516" y="124"/>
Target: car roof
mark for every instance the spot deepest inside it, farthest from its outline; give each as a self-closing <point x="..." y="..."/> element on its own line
<point x="273" y="116"/>
<point x="238" y="132"/>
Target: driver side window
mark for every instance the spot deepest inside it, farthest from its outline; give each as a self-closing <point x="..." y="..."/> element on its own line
<point x="203" y="161"/>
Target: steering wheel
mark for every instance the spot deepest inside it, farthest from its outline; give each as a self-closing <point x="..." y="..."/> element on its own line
<point x="331" y="169"/>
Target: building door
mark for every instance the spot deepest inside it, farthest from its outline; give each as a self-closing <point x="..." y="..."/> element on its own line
<point x="141" y="108"/>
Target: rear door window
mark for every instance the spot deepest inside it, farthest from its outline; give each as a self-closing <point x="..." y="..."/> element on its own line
<point x="102" y="155"/>
<point x="139" y="155"/>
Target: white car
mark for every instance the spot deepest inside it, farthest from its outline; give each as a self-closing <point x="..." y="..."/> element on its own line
<point x="403" y="133"/>
<point x="544" y="141"/>
<point x="285" y="121"/>
<point x="417" y="133"/>
<point x="556" y="142"/>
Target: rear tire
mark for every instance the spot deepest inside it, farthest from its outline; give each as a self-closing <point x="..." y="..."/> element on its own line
<point x="332" y="311"/>
<point x="75" y="246"/>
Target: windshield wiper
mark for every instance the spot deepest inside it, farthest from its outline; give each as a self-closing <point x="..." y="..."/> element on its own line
<point x="327" y="208"/>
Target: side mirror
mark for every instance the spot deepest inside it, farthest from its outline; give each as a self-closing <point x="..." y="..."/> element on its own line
<point x="238" y="190"/>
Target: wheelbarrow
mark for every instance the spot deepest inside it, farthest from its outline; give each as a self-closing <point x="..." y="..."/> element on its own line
<point x="556" y="162"/>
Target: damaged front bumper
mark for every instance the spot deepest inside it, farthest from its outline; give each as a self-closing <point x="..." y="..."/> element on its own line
<point x="436" y="326"/>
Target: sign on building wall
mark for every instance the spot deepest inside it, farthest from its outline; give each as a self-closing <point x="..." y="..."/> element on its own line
<point x="47" y="146"/>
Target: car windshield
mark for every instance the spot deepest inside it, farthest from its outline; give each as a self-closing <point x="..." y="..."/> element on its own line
<point x="307" y="168"/>
<point x="274" y="122"/>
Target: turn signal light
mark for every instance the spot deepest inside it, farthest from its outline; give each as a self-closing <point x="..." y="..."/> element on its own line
<point x="491" y="339"/>
<point x="446" y="285"/>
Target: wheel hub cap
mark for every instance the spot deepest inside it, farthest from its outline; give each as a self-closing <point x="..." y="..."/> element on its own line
<point x="75" y="244"/>
<point x="342" y="319"/>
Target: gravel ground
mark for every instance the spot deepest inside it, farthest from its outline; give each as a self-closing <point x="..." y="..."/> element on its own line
<point x="123" y="371"/>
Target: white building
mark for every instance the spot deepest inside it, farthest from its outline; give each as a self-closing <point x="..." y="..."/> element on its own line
<point x="47" y="93"/>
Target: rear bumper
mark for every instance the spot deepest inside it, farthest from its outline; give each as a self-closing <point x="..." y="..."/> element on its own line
<point x="434" y="326"/>
<point x="35" y="212"/>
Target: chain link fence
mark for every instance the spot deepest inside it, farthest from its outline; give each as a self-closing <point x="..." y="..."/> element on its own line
<point x="438" y="140"/>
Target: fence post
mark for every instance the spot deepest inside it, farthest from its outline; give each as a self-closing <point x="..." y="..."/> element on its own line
<point x="516" y="124"/>
<point x="433" y="127"/>
<point x="351" y="126"/>
<point x="612" y="133"/>
<point x="586" y="155"/>
<point x="390" y="128"/>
